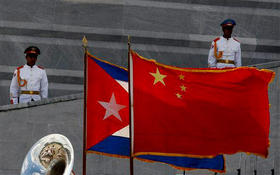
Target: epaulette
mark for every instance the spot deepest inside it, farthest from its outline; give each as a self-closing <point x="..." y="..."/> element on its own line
<point x="236" y="40"/>
<point x="20" y="67"/>
<point x="217" y="39"/>
<point x="41" y="67"/>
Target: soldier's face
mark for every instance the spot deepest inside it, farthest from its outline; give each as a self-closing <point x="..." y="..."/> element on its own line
<point x="31" y="59"/>
<point x="227" y="30"/>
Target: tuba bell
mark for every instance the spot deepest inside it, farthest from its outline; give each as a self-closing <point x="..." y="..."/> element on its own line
<point x="51" y="155"/>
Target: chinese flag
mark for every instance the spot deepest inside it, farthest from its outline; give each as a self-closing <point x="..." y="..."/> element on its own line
<point x="203" y="112"/>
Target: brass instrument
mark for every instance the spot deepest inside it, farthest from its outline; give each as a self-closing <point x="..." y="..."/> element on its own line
<point x="51" y="155"/>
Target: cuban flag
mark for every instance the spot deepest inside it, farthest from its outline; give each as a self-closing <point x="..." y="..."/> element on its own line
<point x="108" y="118"/>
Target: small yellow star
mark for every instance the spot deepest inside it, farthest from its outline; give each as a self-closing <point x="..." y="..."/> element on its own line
<point x="158" y="77"/>
<point x="179" y="95"/>
<point x="181" y="77"/>
<point x="183" y="88"/>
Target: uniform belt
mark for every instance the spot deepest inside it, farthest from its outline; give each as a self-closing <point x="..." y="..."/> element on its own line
<point x="225" y="61"/>
<point x="30" y="92"/>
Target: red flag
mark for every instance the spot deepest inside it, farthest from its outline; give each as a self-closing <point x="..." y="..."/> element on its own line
<point x="107" y="101"/>
<point x="202" y="112"/>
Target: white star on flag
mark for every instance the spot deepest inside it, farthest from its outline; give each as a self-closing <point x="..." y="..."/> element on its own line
<point x="112" y="108"/>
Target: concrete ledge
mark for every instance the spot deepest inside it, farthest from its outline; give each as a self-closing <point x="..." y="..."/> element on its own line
<point x="268" y="65"/>
<point x="41" y="102"/>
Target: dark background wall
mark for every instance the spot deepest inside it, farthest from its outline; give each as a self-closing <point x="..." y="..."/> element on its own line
<point x="173" y="32"/>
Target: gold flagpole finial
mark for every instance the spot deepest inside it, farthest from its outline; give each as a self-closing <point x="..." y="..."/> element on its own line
<point x="128" y="38"/>
<point x="85" y="42"/>
<point x="128" y="42"/>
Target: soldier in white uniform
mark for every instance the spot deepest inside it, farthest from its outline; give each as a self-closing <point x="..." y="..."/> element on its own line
<point x="225" y="51"/>
<point x="30" y="82"/>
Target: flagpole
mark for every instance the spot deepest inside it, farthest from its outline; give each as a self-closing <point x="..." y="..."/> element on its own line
<point x="273" y="164"/>
<point x="85" y="46"/>
<point x="256" y="165"/>
<point x="239" y="168"/>
<point x="130" y="86"/>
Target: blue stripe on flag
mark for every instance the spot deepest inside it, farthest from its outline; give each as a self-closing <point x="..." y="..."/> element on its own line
<point x="114" y="71"/>
<point x="113" y="145"/>
<point x="120" y="146"/>
<point x="216" y="163"/>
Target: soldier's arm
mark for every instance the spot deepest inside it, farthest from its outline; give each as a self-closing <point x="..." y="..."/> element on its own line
<point x="44" y="85"/>
<point x="211" y="59"/>
<point x="14" y="89"/>
<point x="238" y="57"/>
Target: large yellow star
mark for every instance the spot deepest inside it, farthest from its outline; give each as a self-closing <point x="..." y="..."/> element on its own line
<point x="158" y="77"/>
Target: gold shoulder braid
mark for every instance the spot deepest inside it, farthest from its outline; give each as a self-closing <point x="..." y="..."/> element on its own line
<point x="215" y="52"/>
<point x="20" y="80"/>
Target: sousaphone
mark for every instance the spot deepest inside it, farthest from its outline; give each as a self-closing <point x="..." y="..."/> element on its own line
<point x="51" y="155"/>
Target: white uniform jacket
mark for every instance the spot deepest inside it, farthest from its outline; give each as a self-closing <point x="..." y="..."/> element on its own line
<point x="28" y="84"/>
<point x="230" y="50"/>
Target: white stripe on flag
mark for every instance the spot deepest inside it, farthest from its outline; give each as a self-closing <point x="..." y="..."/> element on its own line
<point x="124" y="84"/>
<point x="123" y="132"/>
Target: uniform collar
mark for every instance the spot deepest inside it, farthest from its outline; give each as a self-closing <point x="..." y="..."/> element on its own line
<point x="29" y="67"/>
<point x="226" y="39"/>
